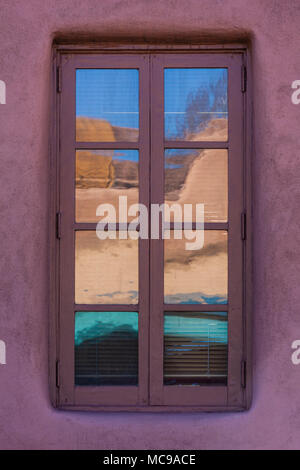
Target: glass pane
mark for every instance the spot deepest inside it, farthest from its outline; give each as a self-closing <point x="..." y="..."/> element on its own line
<point x="102" y="176"/>
<point x="106" y="348"/>
<point x="196" y="276"/>
<point x="194" y="176"/>
<point x="106" y="271"/>
<point x="196" y="104"/>
<point x="195" y="348"/>
<point x="107" y="105"/>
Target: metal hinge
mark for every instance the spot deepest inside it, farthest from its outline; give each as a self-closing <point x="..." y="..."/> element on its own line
<point x="243" y="373"/>
<point x="57" y="374"/>
<point x="58" y="79"/>
<point x="58" y="225"/>
<point x="244" y="79"/>
<point x="243" y="226"/>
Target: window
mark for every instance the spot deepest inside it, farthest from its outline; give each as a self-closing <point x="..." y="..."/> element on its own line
<point x="140" y="321"/>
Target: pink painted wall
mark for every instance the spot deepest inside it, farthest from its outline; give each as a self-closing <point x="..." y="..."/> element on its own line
<point x="27" y="29"/>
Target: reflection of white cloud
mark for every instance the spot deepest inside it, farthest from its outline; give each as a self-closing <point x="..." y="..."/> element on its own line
<point x="119" y="297"/>
<point x="195" y="298"/>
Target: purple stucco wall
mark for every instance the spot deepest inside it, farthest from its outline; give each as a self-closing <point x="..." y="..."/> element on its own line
<point x="27" y="30"/>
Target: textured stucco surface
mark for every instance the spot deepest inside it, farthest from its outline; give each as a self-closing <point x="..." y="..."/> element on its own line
<point x="27" y="29"/>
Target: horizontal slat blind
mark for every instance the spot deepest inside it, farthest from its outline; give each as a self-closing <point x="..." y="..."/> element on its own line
<point x="195" y="348"/>
<point x="106" y="348"/>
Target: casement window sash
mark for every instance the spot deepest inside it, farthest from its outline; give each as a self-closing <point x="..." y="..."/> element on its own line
<point x="151" y="393"/>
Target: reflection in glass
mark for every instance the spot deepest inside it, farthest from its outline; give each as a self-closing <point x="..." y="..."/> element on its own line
<point x="197" y="276"/>
<point x="106" y="271"/>
<point x="102" y="176"/>
<point x="194" y="176"/>
<point x="106" y="348"/>
<point x="107" y="105"/>
<point x="195" y="348"/>
<point x="196" y="104"/>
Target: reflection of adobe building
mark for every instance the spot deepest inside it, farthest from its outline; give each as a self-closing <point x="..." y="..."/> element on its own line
<point x="190" y="177"/>
<point x="100" y="170"/>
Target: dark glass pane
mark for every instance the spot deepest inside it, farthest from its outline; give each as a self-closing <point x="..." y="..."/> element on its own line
<point x="106" y="271"/>
<point x="197" y="276"/>
<point x="107" y="105"/>
<point x="195" y="348"/>
<point x="102" y="176"/>
<point x="106" y="348"/>
<point x="194" y="176"/>
<point x="196" y="104"/>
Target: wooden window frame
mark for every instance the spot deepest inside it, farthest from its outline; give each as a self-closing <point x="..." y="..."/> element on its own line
<point x="151" y="395"/>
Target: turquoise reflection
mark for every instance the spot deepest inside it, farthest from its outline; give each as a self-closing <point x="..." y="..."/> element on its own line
<point x="210" y="327"/>
<point x="96" y="324"/>
<point x="106" y="348"/>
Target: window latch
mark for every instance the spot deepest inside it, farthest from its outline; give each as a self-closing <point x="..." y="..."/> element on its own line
<point x="58" y="79"/>
<point x="243" y="226"/>
<point x="244" y="79"/>
<point x="243" y="373"/>
<point x="57" y="374"/>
